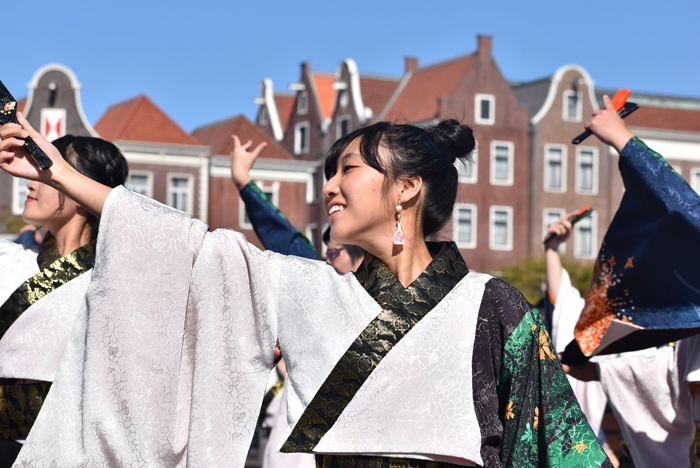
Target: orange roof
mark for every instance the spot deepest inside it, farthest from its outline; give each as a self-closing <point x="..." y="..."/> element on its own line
<point x="139" y="119"/>
<point x="376" y="92"/>
<point x="666" y="118"/>
<point x="285" y="107"/>
<point x="325" y="92"/>
<point x="218" y="137"/>
<point x="419" y="98"/>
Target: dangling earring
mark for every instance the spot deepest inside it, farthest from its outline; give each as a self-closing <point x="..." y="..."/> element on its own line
<point x="399" y="237"/>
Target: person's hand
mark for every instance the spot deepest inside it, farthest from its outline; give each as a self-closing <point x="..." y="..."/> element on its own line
<point x="609" y="127"/>
<point x="242" y="160"/>
<point x="16" y="160"/>
<point x="587" y="372"/>
<point x="561" y="230"/>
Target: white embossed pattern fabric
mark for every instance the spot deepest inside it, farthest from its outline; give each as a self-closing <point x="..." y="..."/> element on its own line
<point x="17" y="264"/>
<point x="418" y="402"/>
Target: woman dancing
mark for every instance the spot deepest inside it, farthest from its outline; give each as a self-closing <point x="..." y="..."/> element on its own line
<point x="412" y="361"/>
<point x="41" y="290"/>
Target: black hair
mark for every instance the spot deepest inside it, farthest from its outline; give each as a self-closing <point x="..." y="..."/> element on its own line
<point x="415" y="151"/>
<point x="95" y="158"/>
<point x="355" y="251"/>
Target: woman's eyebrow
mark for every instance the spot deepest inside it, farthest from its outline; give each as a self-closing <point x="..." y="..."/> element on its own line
<point x="344" y="157"/>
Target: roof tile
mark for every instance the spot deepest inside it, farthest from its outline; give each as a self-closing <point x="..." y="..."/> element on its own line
<point x="325" y="92"/>
<point x="285" y="107"/>
<point x="376" y="92"/>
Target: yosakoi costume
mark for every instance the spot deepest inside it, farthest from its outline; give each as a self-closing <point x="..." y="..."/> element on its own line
<point x="40" y="296"/>
<point x="168" y="364"/>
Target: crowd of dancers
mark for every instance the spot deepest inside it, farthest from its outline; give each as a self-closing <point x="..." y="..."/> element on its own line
<point x="132" y="336"/>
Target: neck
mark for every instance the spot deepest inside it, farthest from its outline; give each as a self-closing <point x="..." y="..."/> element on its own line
<point x="71" y="236"/>
<point x="406" y="261"/>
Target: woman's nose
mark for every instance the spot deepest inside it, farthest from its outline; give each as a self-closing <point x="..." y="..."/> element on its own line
<point x="33" y="185"/>
<point x="331" y="188"/>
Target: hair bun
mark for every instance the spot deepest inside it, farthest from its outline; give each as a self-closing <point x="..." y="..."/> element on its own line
<point x="455" y="139"/>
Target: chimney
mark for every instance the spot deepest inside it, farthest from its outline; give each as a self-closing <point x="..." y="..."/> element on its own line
<point x="411" y="63"/>
<point x="484" y="45"/>
<point x="305" y="67"/>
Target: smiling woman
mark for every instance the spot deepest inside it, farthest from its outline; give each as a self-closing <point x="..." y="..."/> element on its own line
<point x="41" y="291"/>
<point x="412" y="361"/>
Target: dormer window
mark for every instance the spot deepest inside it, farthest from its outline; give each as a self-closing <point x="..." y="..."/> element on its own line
<point x="485" y="109"/>
<point x="344" y="99"/>
<point x="303" y="103"/>
<point x="572" y="106"/>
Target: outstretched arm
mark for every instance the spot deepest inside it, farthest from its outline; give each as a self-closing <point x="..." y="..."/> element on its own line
<point x="16" y="161"/>
<point x="609" y="127"/>
<point x="562" y="231"/>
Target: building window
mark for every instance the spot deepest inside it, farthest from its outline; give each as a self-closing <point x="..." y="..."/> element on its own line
<point x="501" y="228"/>
<point x="464" y="225"/>
<point x="19" y="195"/>
<point x="572" y="106"/>
<point x="555" y="168"/>
<point x="501" y="163"/>
<point x="271" y="191"/>
<point x="142" y="182"/>
<point x="302" y="103"/>
<point x="695" y="179"/>
<point x="485" y="109"/>
<point x="585" y="238"/>
<point x="180" y="192"/>
<point x="343" y="99"/>
<point x="469" y="172"/>
<point x="301" y="138"/>
<point x="549" y="217"/>
<point x="263" y="117"/>
<point x="342" y="126"/>
<point x="587" y="171"/>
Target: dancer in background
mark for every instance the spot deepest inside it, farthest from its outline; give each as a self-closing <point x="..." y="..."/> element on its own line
<point x="42" y="288"/>
<point x="413" y="360"/>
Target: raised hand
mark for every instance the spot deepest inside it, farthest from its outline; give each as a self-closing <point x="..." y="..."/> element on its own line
<point x="16" y="160"/>
<point x="242" y="160"/>
<point x="609" y="127"/>
<point x="561" y="230"/>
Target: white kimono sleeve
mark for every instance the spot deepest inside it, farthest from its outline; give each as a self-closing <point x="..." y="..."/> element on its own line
<point x="567" y="311"/>
<point x="170" y="354"/>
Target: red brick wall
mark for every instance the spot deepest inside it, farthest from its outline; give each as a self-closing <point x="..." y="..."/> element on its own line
<point x="160" y="181"/>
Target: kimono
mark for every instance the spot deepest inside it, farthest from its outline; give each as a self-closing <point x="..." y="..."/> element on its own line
<point x="168" y="363"/>
<point x="41" y="295"/>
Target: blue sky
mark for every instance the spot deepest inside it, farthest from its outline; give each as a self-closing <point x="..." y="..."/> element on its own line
<point x="203" y="61"/>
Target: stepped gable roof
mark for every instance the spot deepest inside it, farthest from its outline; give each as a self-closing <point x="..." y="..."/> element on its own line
<point x="218" y="136"/>
<point x="285" y="106"/>
<point x="377" y="90"/>
<point x="532" y="94"/>
<point x="139" y="119"/>
<point x="323" y="81"/>
<point x="418" y="100"/>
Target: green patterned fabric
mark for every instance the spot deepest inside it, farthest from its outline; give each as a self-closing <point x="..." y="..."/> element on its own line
<point x="542" y="416"/>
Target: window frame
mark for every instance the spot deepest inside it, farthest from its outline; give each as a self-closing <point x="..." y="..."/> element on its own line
<point x="565" y="105"/>
<point x="492" y="210"/>
<point x="478" y="98"/>
<point x="564" y="168"/>
<point x="594" y="238"/>
<point x="273" y="187"/>
<point x="594" y="190"/>
<point x="17" y="200"/>
<point x="338" y="123"/>
<point x="297" y="143"/>
<point x="545" y="212"/>
<point x="305" y="109"/>
<point x="511" y="163"/>
<point x="169" y="190"/>
<point x="148" y="174"/>
<point x="475" y="167"/>
<point x="455" y="225"/>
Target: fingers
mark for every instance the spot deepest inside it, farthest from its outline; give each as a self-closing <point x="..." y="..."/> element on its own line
<point x="236" y="142"/>
<point x="26" y="126"/>
<point x="10" y="142"/>
<point x="607" y="103"/>
<point x="258" y="149"/>
<point x="12" y="130"/>
<point x="247" y="145"/>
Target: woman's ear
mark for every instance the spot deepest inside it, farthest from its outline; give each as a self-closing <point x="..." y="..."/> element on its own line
<point x="410" y="188"/>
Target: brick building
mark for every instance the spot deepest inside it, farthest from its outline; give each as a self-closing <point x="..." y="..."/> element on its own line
<point x="289" y="183"/>
<point x="165" y="162"/>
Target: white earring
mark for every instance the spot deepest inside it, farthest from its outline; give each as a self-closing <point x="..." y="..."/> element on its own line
<point x="399" y="236"/>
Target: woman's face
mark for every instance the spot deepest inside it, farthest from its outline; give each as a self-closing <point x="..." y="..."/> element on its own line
<point x="45" y="208"/>
<point x="357" y="210"/>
